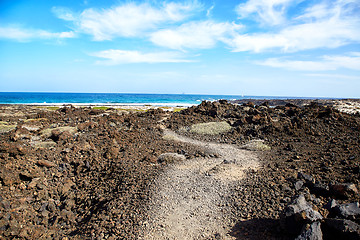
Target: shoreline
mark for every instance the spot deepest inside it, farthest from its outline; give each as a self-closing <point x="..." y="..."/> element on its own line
<point x="105" y="104"/>
<point x="182" y="104"/>
<point x="347" y="105"/>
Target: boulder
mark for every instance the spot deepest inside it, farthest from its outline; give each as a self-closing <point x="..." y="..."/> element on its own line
<point x="344" y="190"/>
<point x="171" y="157"/>
<point x="298" y="213"/>
<point x="306" y="177"/>
<point x="347" y="210"/>
<point x="311" y="232"/>
<point x="341" y="229"/>
<point x="256" y="145"/>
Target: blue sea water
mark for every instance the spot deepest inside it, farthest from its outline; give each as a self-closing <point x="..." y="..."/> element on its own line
<point x="114" y="98"/>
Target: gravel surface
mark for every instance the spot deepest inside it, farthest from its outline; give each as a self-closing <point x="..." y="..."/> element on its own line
<point x="189" y="200"/>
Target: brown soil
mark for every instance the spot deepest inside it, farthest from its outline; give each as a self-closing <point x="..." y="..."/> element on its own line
<point x="82" y="173"/>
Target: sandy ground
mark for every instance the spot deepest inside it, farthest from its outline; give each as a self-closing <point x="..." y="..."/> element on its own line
<point x="120" y="106"/>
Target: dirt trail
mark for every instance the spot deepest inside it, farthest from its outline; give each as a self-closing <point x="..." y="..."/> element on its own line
<point x="190" y="200"/>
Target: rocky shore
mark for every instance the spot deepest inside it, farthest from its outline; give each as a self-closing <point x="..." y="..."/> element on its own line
<point x="85" y="173"/>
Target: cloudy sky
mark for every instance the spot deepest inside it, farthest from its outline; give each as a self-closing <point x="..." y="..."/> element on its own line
<point x="243" y="47"/>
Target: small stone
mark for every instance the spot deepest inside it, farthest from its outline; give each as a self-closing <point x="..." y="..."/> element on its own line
<point x="33" y="182"/>
<point x="299" y="185"/>
<point x="45" y="163"/>
<point x="43" y="207"/>
<point x="308" y="178"/>
<point x="5" y="204"/>
<point x="285" y="188"/>
<point x="22" y="186"/>
<point x="226" y="161"/>
<point x="314" y="199"/>
<point x="51" y="206"/>
<point x="4" y="225"/>
<point x="66" y="186"/>
<point x="285" y="200"/>
<point x="330" y="204"/>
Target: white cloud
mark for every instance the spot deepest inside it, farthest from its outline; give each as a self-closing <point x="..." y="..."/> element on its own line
<point x="64" y="13"/>
<point x="196" y="35"/>
<point x="329" y="24"/>
<point x="114" y="57"/>
<point x="352" y="61"/>
<point x="269" y="12"/>
<point x="23" y="35"/>
<point x="338" y="76"/>
<point x="326" y="34"/>
<point x="127" y="20"/>
<point x="330" y="9"/>
<point x="297" y="64"/>
<point x="257" y="42"/>
<point x="209" y="10"/>
<point x="321" y="26"/>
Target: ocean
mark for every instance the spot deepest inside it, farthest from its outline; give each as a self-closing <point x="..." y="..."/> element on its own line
<point x="43" y="98"/>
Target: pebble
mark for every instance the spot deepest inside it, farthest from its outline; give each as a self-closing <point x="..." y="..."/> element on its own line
<point x="46" y="163"/>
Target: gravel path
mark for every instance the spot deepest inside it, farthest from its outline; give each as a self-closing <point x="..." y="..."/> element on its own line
<point x="190" y="199"/>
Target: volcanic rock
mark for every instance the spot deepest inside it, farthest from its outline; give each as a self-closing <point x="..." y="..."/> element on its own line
<point x="344" y="190"/>
<point x="311" y="232"/>
<point x="347" y="210"/>
<point x="341" y="229"/>
<point x="298" y="213"/>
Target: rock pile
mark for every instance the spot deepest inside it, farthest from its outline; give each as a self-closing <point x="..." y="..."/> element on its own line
<point x="338" y="221"/>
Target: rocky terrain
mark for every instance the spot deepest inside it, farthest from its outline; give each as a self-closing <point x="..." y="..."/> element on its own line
<point x="82" y="173"/>
<point x="77" y="172"/>
<point x="314" y="154"/>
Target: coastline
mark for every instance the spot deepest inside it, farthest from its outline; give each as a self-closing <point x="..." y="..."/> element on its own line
<point x="118" y="106"/>
<point x="112" y="104"/>
<point x="346" y="105"/>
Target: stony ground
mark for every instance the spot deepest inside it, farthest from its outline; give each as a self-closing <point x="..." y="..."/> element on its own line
<point x="75" y="173"/>
<point x="315" y="140"/>
<point x="190" y="199"/>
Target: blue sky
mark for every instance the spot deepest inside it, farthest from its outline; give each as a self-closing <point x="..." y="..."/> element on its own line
<point x="244" y="47"/>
